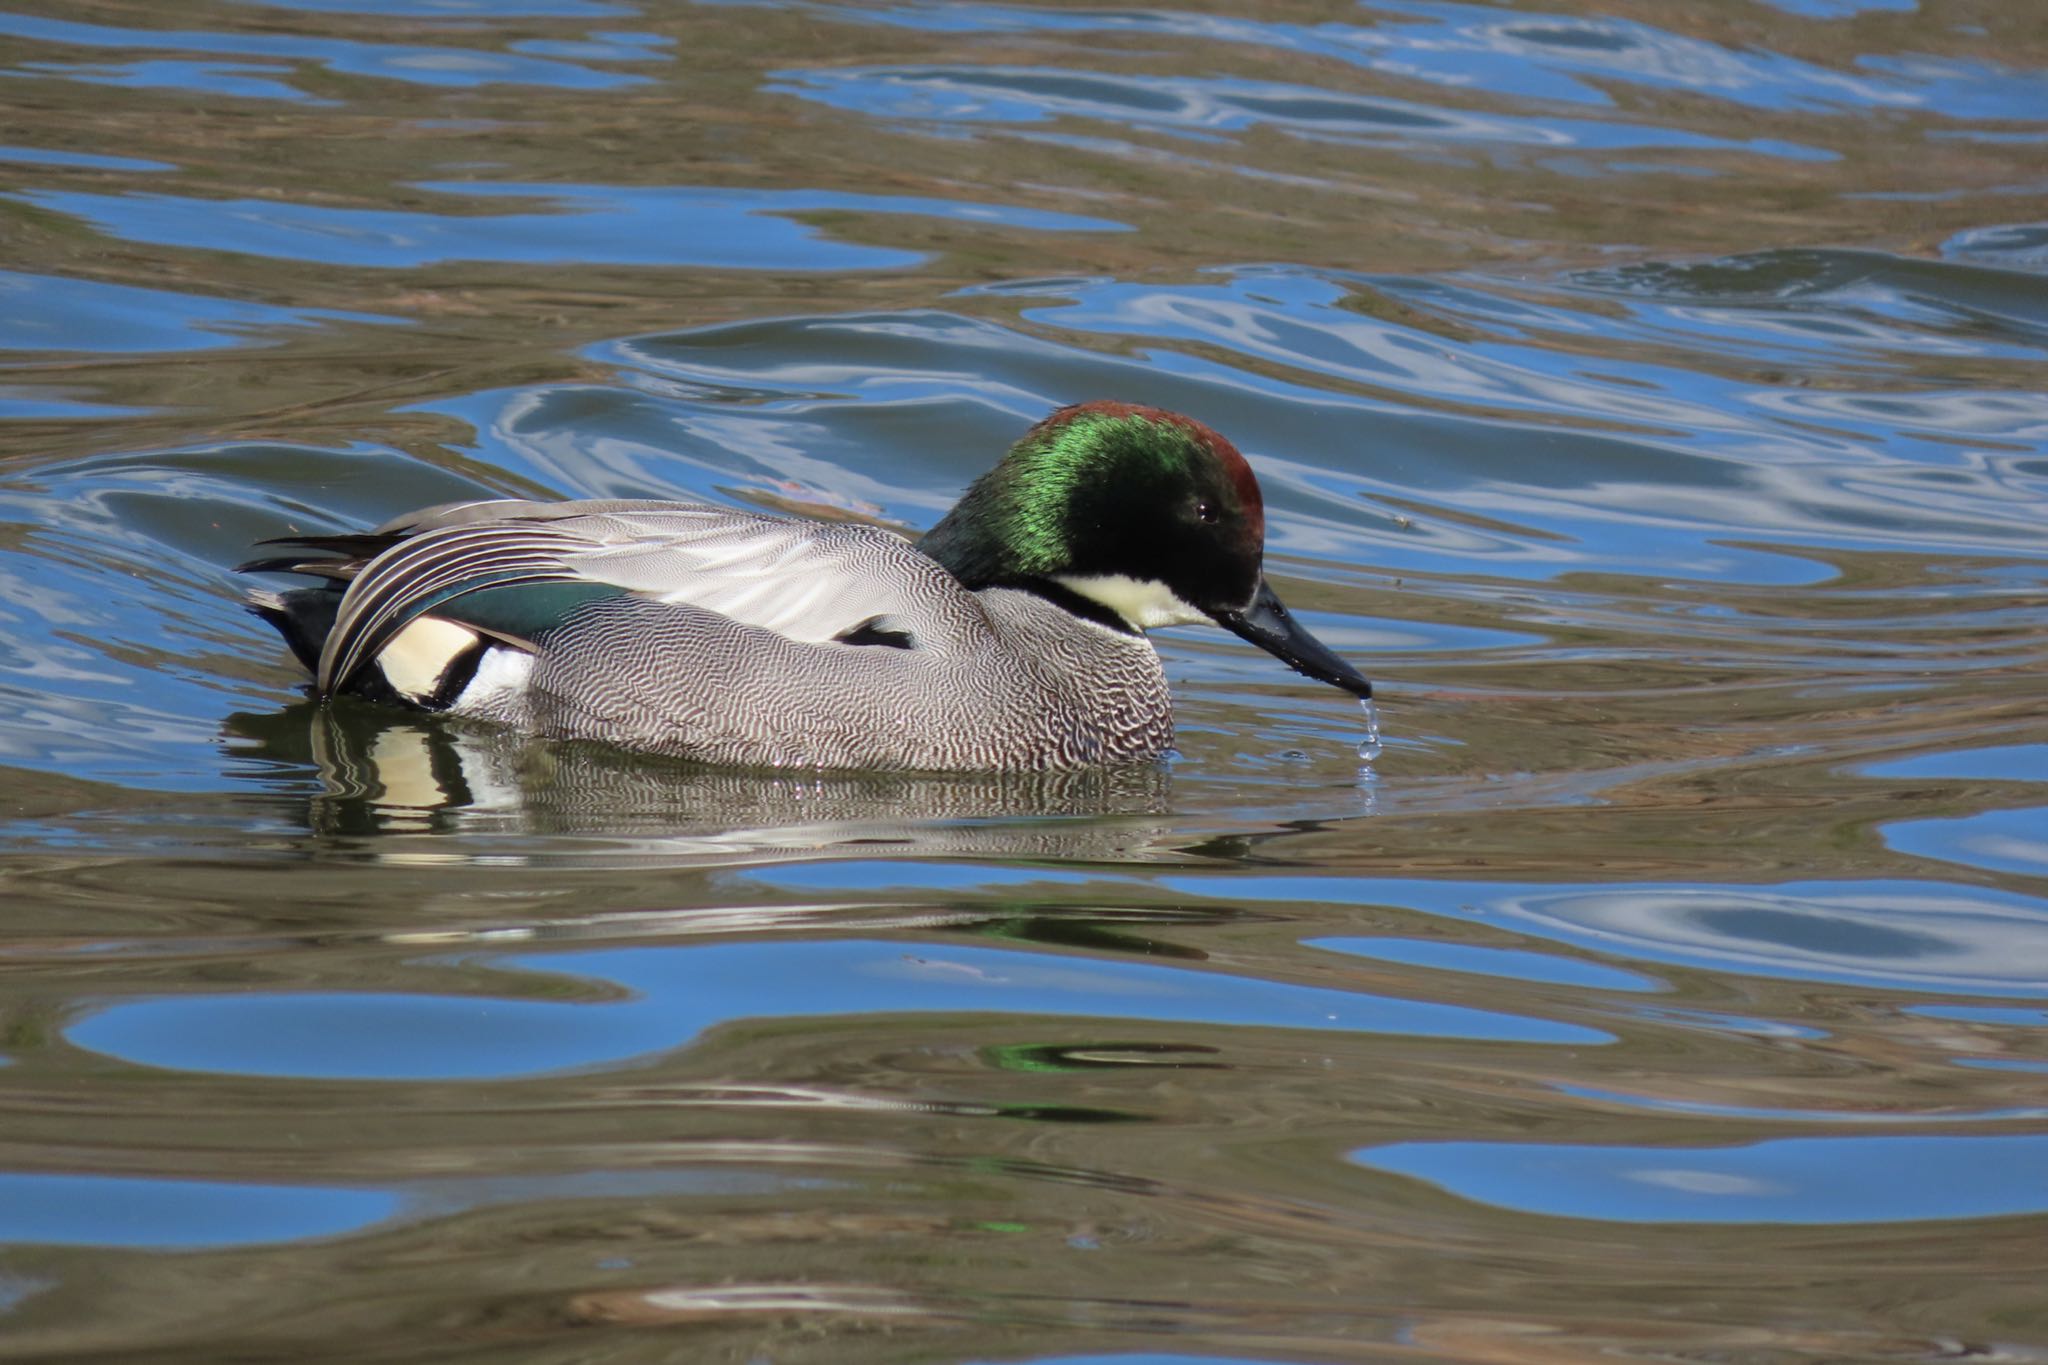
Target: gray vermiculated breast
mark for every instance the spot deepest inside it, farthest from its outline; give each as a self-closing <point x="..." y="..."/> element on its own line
<point x="996" y="680"/>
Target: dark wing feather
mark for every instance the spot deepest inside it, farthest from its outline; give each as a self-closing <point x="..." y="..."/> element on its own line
<point x="422" y="571"/>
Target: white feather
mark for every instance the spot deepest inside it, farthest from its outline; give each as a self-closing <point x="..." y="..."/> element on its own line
<point x="1145" y="603"/>
<point x="500" y="677"/>
<point x="417" y="658"/>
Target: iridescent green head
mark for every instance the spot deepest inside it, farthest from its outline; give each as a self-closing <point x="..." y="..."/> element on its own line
<point x="1134" y="517"/>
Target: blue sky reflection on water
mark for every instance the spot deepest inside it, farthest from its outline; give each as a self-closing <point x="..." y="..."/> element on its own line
<point x="1514" y="963"/>
<point x="1986" y="1014"/>
<point x="1831" y="1180"/>
<point x="1999" y="840"/>
<point x="173" y="1214"/>
<point x="93" y="161"/>
<point x="1563" y="57"/>
<point x="987" y="94"/>
<point x="177" y="1215"/>
<point x="667" y="996"/>
<point x="2003" y="763"/>
<point x="51" y="313"/>
<point x="26" y="403"/>
<point x="1905" y="935"/>
<point x="733" y="229"/>
<point x="459" y="10"/>
<point x="238" y="80"/>
<point x="443" y="66"/>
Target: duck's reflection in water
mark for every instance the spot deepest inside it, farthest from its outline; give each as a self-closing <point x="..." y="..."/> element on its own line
<point x="400" y="787"/>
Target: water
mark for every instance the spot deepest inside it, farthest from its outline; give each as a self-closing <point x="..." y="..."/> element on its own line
<point x="1648" y="399"/>
<point x="1371" y="747"/>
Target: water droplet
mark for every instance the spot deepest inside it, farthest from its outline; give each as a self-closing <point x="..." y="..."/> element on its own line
<point x="1370" y="747"/>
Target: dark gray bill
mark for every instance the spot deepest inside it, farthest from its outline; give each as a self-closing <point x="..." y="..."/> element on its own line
<point x="1273" y="628"/>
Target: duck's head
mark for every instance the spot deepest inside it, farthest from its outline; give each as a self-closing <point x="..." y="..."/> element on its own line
<point x="1134" y="517"/>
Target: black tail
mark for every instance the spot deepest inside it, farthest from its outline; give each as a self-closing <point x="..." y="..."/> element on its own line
<point x="349" y="552"/>
<point x="303" y="616"/>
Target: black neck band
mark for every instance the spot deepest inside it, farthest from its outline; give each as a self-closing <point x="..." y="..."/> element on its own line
<point x="1087" y="608"/>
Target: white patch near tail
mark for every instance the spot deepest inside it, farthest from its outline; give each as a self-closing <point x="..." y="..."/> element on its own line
<point x="417" y="658"/>
<point x="500" y="676"/>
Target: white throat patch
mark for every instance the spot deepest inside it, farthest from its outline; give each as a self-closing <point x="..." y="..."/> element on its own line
<point x="1145" y="603"/>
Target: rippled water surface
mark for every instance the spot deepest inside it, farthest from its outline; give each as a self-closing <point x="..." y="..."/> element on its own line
<point x="1650" y="397"/>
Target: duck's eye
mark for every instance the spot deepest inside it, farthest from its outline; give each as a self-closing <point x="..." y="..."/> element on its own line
<point x="1205" y="511"/>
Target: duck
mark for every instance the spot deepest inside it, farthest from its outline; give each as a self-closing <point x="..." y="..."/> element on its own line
<point x="1010" y="637"/>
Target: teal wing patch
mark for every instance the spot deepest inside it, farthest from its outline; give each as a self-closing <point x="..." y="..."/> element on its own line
<point x="519" y="613"/>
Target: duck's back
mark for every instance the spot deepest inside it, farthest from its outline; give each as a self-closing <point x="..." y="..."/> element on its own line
<point x="731" y="637"/>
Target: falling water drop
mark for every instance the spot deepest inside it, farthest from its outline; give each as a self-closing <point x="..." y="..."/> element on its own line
<point x="1370" y="747"/>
